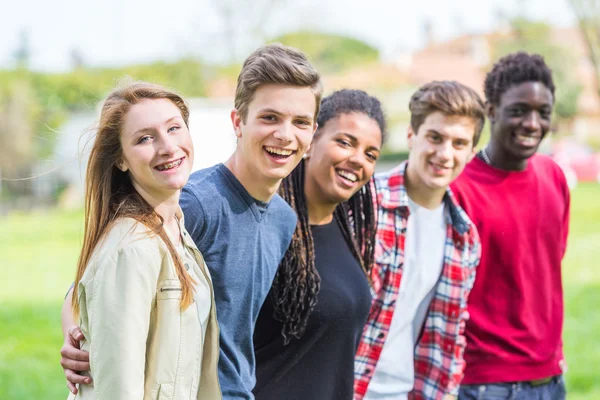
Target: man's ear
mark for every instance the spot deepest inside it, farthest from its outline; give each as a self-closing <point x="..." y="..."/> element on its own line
<point x="491" y="112"/>
<point x="236" y="121"/>
<point x="410" y="135"/>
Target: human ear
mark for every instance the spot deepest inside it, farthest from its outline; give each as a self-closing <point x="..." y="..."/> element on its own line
<point x="410" y="134"/>
<point x="236" y="121"/>
<point x="491" y="112"/>
<point x="122" y="166"/>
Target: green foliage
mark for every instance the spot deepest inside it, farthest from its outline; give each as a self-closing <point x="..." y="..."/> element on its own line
<point x="534" y="37"/>
<point x="34" y="105"/>
<point x="330" y="52"/>
<point x="39" y="252"/>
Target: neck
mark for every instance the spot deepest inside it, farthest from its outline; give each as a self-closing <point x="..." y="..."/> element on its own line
<point x="260" y="187"/>
<point x="320" y="211"/>
<point x="319" y="214"/>
<point x="167" y="206"/>
<point x="501" y="160"/>
<point x="419" y="193"/>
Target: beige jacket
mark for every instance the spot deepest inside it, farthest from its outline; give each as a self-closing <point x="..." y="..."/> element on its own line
<point x="141" y="345"/>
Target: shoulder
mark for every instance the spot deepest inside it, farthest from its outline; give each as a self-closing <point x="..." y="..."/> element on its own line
<point x="283" y="214"/>
<point x="390" y="179"/>
<point x="546" y="166"/>
<point x="126" y="236"/>
<point x="204" y="183"/>
<point x="546" y="162"/>
<point x="204" y="195"/>
<point x="127" y="243"/>
<point x="468" y="176"/>
<point x="279" y="205"/>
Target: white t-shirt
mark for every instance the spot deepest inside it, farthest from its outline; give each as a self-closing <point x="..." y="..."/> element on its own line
<point x="423" y="260"/>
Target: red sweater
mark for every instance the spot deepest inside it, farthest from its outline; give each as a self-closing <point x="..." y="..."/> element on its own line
<point x="516" y="305"/>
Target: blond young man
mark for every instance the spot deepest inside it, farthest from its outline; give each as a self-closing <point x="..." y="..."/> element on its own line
<point x="233" y="214"/>
<point x="426" y="254"/>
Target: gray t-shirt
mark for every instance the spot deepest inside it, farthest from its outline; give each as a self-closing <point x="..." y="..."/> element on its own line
<point x="243" y="241"/>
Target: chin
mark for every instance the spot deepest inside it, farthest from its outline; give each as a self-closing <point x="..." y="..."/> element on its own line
<point x="278" y="173"/>
<point x="438" y="183"/>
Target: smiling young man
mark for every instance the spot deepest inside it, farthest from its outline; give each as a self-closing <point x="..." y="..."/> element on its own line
<point x="426" y="253"/>
<point x="233" y="214"/>
<point x="519" y="202"/>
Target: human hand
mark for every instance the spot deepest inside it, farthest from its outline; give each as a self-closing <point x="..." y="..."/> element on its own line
<point x="74" y="360"/>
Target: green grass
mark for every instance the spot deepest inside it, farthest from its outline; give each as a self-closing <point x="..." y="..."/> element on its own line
<point x="39" y="251"/>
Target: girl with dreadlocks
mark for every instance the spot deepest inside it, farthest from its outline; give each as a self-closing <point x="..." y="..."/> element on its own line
<point x="310" y="325"/>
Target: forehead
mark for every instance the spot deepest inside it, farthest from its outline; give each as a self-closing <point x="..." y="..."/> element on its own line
<point x="535" y="94"/>
<point x="284" y="99"/>
<point x="453" y="126"/>
<point x="359" y="125"/>
<point x="149" y="113"/>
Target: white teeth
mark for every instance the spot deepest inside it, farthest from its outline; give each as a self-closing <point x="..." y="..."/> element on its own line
<point x="348" y="175"/>
<point x="281" y="152"/>
<point x="528" y="140"/>
<point x="164" y="167"/>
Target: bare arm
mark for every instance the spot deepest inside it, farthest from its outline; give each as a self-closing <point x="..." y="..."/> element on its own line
<point x="73" y="360"/>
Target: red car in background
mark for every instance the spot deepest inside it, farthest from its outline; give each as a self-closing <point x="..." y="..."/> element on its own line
<point x="579" y="162"/>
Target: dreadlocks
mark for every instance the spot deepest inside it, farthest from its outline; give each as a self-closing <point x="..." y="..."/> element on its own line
<point x="297" y="282"/>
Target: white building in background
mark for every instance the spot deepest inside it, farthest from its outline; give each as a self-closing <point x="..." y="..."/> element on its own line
<point x="210" y="127"/>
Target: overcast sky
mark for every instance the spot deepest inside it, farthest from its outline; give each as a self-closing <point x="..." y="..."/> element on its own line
<point x="113" y="32"/>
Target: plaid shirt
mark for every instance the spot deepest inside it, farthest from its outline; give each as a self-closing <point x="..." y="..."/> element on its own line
<point x="439" y="351"/>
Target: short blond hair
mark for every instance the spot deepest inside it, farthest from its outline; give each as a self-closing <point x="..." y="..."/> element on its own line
<point x="450" y="98"/>
<point x="275" y="64"/>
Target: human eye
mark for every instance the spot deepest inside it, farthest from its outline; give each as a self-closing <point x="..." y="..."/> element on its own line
<point x="344" y="142"/>
<point x="372" y="156"/>
<point x="516" y="111"/>
<point x="173" y="128"/>
<point x="546" y="114"/>
<point x="144" y="139"/>
<point x="435" y="137"/>
<point x="303" y="122"/>
<point x="460" y="143"/>
<point x="269" y="118"/>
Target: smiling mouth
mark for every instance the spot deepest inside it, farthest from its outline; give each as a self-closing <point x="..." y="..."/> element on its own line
<point x="347" y="175"/>
<point x="278" y="153"/>
<point x="527" y="140"/>
<point x="439" y="168"/>
<point x="169" y="165"/>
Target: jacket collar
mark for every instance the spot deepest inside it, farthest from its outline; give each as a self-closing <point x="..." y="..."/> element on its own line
<point x="391" y="193"/>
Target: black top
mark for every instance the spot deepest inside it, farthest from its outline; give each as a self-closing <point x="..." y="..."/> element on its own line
<point x="319" y="365"/>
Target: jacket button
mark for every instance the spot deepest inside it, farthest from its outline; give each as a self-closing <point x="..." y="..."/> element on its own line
<point x="380" y="336"/>
<point x="187" y="266"/>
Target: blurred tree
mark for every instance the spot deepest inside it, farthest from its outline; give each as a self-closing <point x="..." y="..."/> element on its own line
<point x="534" y="37"/>
<point x="244" y="22"/>
<point x="34" y="105"/>
<point x="330" y="52"/>
<point x="587" y="13"/>
<point x="77" y="58"/>
<point x="23" y="52"/>
<point x="19" y="110"/>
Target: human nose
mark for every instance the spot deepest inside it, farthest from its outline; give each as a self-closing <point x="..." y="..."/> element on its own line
<point x="532" y="121"/>
<point x="357" y="158"/>
<point x="284" y="132"/>
<point x="444" y="151"/>
<point x="167" y="145"/>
